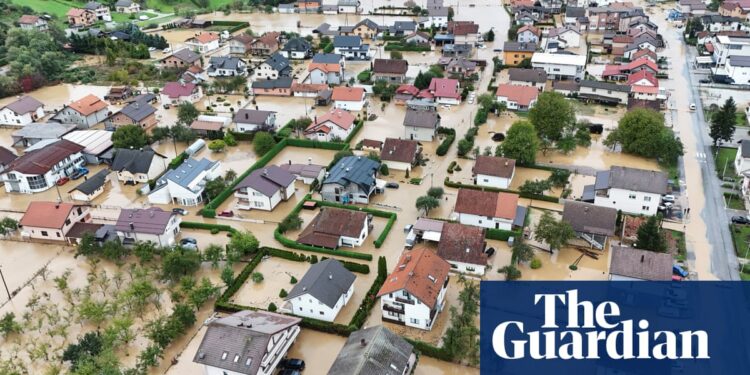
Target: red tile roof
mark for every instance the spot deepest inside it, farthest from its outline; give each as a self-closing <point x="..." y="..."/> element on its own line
<point x="399" y="150"/>
<point x="533" y="30"/>
<point x="177" y="89"/>
<point x="421" y="273"/>
<point x="88" y="105"/>
<point x="462" y="243"/>
<point x="523" y="95"/>
<point x="205" y="38"/>
<point x="494" y="166"/>
<point x="407" y="89"/>
<point x="76" y="12"/>
<point x="331" y="224"/>
<point x="28" y="19"/>
<point x="641" y="75"/>
<point x="486" y="203"/>
<point x="47" y="214"/>
<point x="340" y="117"/>
<point x="348" y="94"/>
<point x="42" y="160"/>
<point x="445" y="88"/>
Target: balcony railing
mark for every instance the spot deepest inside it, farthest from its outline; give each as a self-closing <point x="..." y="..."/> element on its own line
<point x="405" y="300"/>
<point x="396" y="309"/>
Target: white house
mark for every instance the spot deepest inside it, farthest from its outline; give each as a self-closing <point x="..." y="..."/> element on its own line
<point x="348" y="98"/>
<point x="725" y="46"/>
<point x="351" y="47"/>
<point x="348" y="6"/>
<point x="138" y="166"/>
<point x="203" y="42"/>
<point x="335" y="227"/>
<point x="634" y="191"/>
<point x="446" y="91"/>
<point x="336" y="124"/>
<point x="742" y="160"/>
<point x="248" y="120"/>
<point x="85" y="112"/>
<point x="437" y="17"/>
<point x="226" y="66"/>
<point x="421" y="125"/>
<point x="271" y="336"/>
<point x="150" y="224"/>
<point x="560" y="66"/>
<point x="493" y="171"/>
<point x="737" y="68"/>
<point x="307" y="173"/>
<point x="91" y="188"/>
<point x="264" y="188"/>
<point x="400" y="154"/>
<point x="463" y="247"/>
<point x="127" y="6"/>
<point x="273" y="67"/>
<point x="184" y="185"/>
<point x="324" y="290"/>
<point x="327" y="68"/>
<point x="21" y="112"/>
<point x="51" y="221"/>
<point x="566" y="36"/>
<point x="486" y="209"/>
<point x="414" y="293"/>
<point x="41" y="168"/>
<point x="528" y="34"/>
<point x="517" y="98"/>
<point x="176" y="93"/>
<point x="604" y="92"/>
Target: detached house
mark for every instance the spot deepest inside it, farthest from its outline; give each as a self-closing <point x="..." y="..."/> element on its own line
<point x="176" y="93"/>
<point x="631" y="190"/>
<point x="351" y="180"/>
<point x="85" y="112"/>
<point x="264" y="188"/>
<point x="351" y="47"/>
<point x="29" y="22"/>
<point x="445" y="91"/>
<point x="273" y="87"/>
<point x="514" y="53"/>
<point x="225" y="66"/>
<point x="463" y="247"/>
<point x="464" y="32"/>
<point x="51" y="221"/>
<point x="183" y="58"/>
<point x="418" y="38"/>
<point x="528" y="77"/>
<point x="335" y="227"/>
<point x="391" y="71"/>
<point x="101" y="11"/>
<point x="519" y="98"/>
<point x="348" y="98"/>
<point x="528" y="34"/>
<point x="566" y="36"/>
<point x="203" y="42"/>
<point x="326" y="68"/>
<point x="264" y="45"/>
<point x="487" y="209"/>
<point x="742" y="159"/>
<point x="356" y="357"/>
<point x="560" y="66"/>
<point x="414" y="293"/>
<point x="38" y="170"/>
<point x="134" y="166"/>
<point x="630" y="264"/>
<point x="184" y="185"/>
<point x="91" y="188"/>
<point x="592" y="223"/>
<point x="420" y="125"/>
<point x="324" y="290"/>
<point x="249" y="120"/>
<point x="247" y="342"/>
<point x="138" y="112"/>
<point x="78" y="18"/>
<point x="400" y="154"/>
<point x="21" y="112"/>
<point x="436" y="17"/>
<point x="365" y="29"/>
<point x="273" y="67"/>
<point x="336" y="124"/>
<point x="297" y="49"/>
<point x="127" y="6"/>
<point x="604" y="92"/>
<point x="493" y="171"/>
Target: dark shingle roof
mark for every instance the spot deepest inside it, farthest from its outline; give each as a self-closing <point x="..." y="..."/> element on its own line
<point x="399" y="150"/>
<point x="494" y="166"/>
<point x="24" y="105"/>
<point x="625" y="178"/>
<point x="462" y="243"/>
<point x="347" y="41"/>
<point x="6" y="156"/>
<point x="297" y="44"/>
<point x="92" y="183"/>
<point x="575" y="12"/>
<point x="327" y="58"/>
<point x="252" y="116"/>
<point x="605" y="86"/>
<point x="152" y="220"/>
<point x="133" y="161"/>
<point x="282" y="82"/>
<point x="277" y="62"/>
<point x="267" y="180"/>
<point x="641" y="264"/>
<point x="390" y="66"/>
<point x="44" y="159"/>
<point x="384" y="353"/>
<point x="326" y="281"/>
<point x="330" y="225"/>
<point x="187" y="55"/>
<point x="421" y="119"/>
<point x="138" y="110"/>
<point x="527" y="75"/>
<point x="588" y="218"/>
<point x="519" y="47"/>
<point x="355" y="170"/>
<point x="225" y="62"/>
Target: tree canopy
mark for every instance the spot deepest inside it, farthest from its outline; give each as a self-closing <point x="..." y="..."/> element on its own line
<point x="521" y="143"/>
<point x="650" y="236"/>
<point x="556" y="233"/>
<point x="263" y="142"/>
<point x="130" y="136"/>
<point x="723" y="122"/>
<point x="642" y="132"/>
<point x="552" y="116"/>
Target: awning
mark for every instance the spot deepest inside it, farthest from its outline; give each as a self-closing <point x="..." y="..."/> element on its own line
<point x="431" y="236"/>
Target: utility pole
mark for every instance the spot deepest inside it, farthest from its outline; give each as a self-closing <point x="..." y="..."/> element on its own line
<point x="5" y="284"/>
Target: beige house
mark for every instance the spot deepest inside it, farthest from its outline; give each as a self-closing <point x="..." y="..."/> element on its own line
<point x="51" y="221"/>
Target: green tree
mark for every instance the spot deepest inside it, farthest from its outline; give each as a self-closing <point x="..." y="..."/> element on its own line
<point x="291" y="222"/>
<point x="257" y="277"/>
<point x="95" y="312"/>
<point x="90" y="345"/>
<point x="187" y="113"/>
<point x="214" y="187"/>
<point x="130" y="136"/>
<point x="723" y="122"/>
<point x="160" y="133"/>
<point x="262" y="143"/>
<point x="521" y="252"/>
<point x="436" y="192"/>
<point x="243" y="243"/>
<point x="535" y="187"/>
<point x="650" y="236"/>
<point x="87" y="246"/>
<point x="426" y="203"/>
<point x="555" y="233"/>
<point x="384" y="169"/>
<point x="144" y="251"/>
<point x="213" y="253"/>
<point x="489" y="36"/>
<point x="184" y="315"/>
<point x="8" y="324"/>
<point x="642" y="132"/>
<point x="340" y="155"/>
<point x="464" y="147"/>
<point x="182" y="133"/>
<point x="230" y="140"/>
<point x="559" y="177"/>
<point x="227" y="276"/>
<point x="521" y="143"/>
<point x="8" y="225"/>
<point x="180" y="262"/>
<point x="511" y="272"/>
<point x="217" y="145"/>
<point x="552" y="115"/>
<point x="202" y="293"/>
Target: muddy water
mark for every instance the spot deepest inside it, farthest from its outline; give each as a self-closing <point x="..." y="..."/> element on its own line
<point x="276" y="272"/>
<point x="55" y="97"/>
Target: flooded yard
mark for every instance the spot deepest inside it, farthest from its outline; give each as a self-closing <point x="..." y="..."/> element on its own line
<point x="277" y="273"/>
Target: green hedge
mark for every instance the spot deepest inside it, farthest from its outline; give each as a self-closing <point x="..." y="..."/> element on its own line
<point x="207" y="226"/>
<point x="368" y="302"/>
<point x="222" y="303"/>
<point x="392" y="46"/>
<point x="322" y="250"/>
<point x="501" y="234"/>
<point x="242" y="136"/>
<point x="297" y="257"/>
<point x="430" y="350"/>
<point x="236" y="25"/>
<point x="445" y="145"/>
<point x="458" y="185"/>
<point x="179" y="159"/>
<point x="354" y="132"/>
<point x="308" y="143"/>
<point x="327" y="327"/>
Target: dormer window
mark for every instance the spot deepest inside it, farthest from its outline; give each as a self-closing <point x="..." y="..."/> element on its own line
<point x="236" y="358"/>
<point x="224" y="356"/>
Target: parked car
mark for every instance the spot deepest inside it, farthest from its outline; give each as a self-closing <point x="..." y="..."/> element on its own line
<point x="407" y="228"/>
<point x="411" y="239"/>
<point x="740" y="220"/>
<point x="292" y="363"/>
<point x="677" y="270"/>
<point x="290" y="372"/>
<point x="180" y="211"/>
<point x="189" y="243"/>
<point x="692" y="106"/>
<point x="392" y="185"/>
<point x="62" y="181"/>
<point x="227" y="213"/>
<point x="490" y="251"/>
<point x="668" y="198"/>
<point x="76" y="175"/>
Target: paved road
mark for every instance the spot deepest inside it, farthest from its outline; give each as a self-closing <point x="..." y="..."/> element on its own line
<point x="709" y="240"/>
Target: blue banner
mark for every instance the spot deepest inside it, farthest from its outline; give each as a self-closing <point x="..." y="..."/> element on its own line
<point x="619" y="327"/>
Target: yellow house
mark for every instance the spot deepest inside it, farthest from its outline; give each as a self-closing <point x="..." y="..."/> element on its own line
<point x="514" y="53"/>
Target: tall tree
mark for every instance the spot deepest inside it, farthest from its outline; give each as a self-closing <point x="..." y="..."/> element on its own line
<point x="552" y="116"/>
<point x="650" y="236"/>
<point x="642" y="132"/>
<point x="262" y="143"/>
<point x="187" y="113"/>
<point x="555" y="233"/>
<point x="426" y="203"/>
<point x="723" y="122"/>
<point x="130" y="136"/>
<point x="521" y="143"/>
<point x="521" y="252"/>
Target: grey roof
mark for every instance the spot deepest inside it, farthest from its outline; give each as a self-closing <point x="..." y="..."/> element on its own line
<point x="353" y="170"/>
<point x="24" y="105"/>
<point x="632" y="179"/>
<point x="92" y="5"/>
<point x="186" y="172"/>
<point x="589" y="193"/>
<point x="326" y="281"/>
<point x="297" y="44"/>
<point x="6" y="156"/>
<point x="252" y="116"/>
<point x="224" y="62"/>
<point x="327" y="58"/>
<point x="277" y="62"/>
<point x="641" y="264"/>
<point x="138" y="110"/>
<point x="245" y="335"/>
<point x="519" y="47"/>
<point x="575" y="12"/>
<point x="737" y="60"/>
<point x="304" y="170"/>
<point x="187" y="55"/>
<point x="92" y="183"/>
<point x="421" y="119"/>
<point x="588" y="218"/>
<point x="520" y="218"/>
<point x="347" y="41"/>
<point x="281" y="82"/>
<point x="152" y="220"/>
<point x="745" y="149"/>
<point x="527" y="75"/>
<point x="133" y="161"/>
<point x="401" y="26"/>
<point x="605" y="86"/>
<point x="368" y="22"/>
<point x="123" y="3"/>
<point x="438" y="12"/>
<point x="267" y="181"/>
<point x="44" y="130"/>
<point x="383" y="353"/>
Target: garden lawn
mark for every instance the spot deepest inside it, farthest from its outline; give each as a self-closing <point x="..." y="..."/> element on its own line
<point x="734" y="201"/>
<point x="725" y="157"/>
<point x="740" y="238"/>
<point x="122" y="17"/>
<point x="58" y="8"/>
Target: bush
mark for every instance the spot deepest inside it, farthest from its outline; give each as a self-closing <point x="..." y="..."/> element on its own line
<point x="384" y="169"/>
<point x="356" y="267"/>
<point x="214" y="230"/>
<point x="283" y="293"/>
<point x="536" y="263"/>
<point x="257" y="277"/>
<point x="501" y="234"/>
<point x="293" y="280"/>
<point x="272" y="307"/>
<point x="445" y="145"/>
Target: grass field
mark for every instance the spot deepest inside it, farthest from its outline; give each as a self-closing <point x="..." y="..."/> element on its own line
<point x="122" y="17"/>
<point x="58" y="8"/>
<point x="740" y="238"/>
<point x="725" y="157"/>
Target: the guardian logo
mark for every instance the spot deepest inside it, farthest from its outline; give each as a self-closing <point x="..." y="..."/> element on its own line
<point x="602" y="333"/>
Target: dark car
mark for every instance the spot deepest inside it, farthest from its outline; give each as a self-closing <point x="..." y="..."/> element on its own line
<point x="62" y="181"/>
<point x="391" y="185"/>
<point x="596" y="128"/>
<point x="498" y="137"/>
<point x="290" y="371"/>
<point x="740" y="220"/>
<point x="180" y="211"/>
<point x="292" y="364"/>
<point x="705" y="80"/>
<point x="227" y="213"/>
<point x="490" y="251"/>
<point x="76" y="175"/>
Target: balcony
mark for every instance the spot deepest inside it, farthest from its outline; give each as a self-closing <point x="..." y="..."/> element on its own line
<point x="395" y="309"/>
<point x="405" y="300"/>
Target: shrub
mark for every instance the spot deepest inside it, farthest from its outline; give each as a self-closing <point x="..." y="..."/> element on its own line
<point x="214" y="230"/>
<point x="536" y="263"/>
<point x="283" y="293"/>
<point x="445" y="145"/>
<point x="272" y="307"/>
<point x="293" y="280"/>
<point x="384" y="169"/>
<point x="257" y="277"/>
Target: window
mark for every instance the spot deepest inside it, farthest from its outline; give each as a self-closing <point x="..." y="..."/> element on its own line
<point x="631" y="196"/>
<point x="58" y="234"/>
<point x="44" y="233"/>
<point x="321" y="313"/>
<point x="67" y="221"/>
<point x="236" y="358"/>
<point x="414" y="321"/>
<point x="300" y="309"/>
<point x="36" y="182"/>
<point x="224" y="356"/>
<point x="647" y="199"/>
<point x="645" y="208"/>
<point x="470" y="269"/>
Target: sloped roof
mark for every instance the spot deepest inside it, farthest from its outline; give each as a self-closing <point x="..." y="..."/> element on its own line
<point x="634" y="179"/>
<point x="588" y="218"/>
<point x="24" y="105"/>
<point x="187" y="172"/>
<point x="519" y="47"/>
<point x="527" y="75"/>
<point x="267" y="180"/>
<point x="399" y="150"/>
<point x="327" y="58"/>
<point x="152" y="220"/>
<point x="326" y="281"/>
<point x="6" y="156"/>
<point x="94" y="142"/>
<point x="332" y="223"/>
<point x="353" y="170"/>
<point x="347" y="41"/>
<point x="421" y="272"/>
<point x="186" y="54"/>
<point x="523" y="95"/>
<point x="641" y="264"/>
<point x="252" y="116"/>
<point x="494" y="166"/>
<point x="421" y="119"/>
<point x="348" y="94"/>
<point x="337" y="116"/>
<point x="225" y="62"/>
<point x="445" y="88"/>
<point x="133" y="161"/>
<point x="138" y="110"/>
<point x="46" y="214"/>
<point x="462" y="243"/>
<point x="278" y="83"/>
<point x="486" y="203"/>
<point x="28" y="19"/>
<point x="277" y="62"/>
<point x="384" y="353"/>
<point x="92" y="183"/>
<point x="178" y="89"/>
<point x="88" y="105"/>
<point x="204" y="38"/>
<point x="297" y="44"/>
<point x="390" y="66"/>
<point x="42" y="160"/>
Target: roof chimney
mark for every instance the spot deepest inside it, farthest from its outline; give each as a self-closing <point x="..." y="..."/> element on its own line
<point x="362" y="342"/>
<point x="132" y="226"/>
<point x="642" y="258"/>
<point x="330" y="276"/>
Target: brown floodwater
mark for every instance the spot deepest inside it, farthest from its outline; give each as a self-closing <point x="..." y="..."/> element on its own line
<point x="55" y="97"/>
